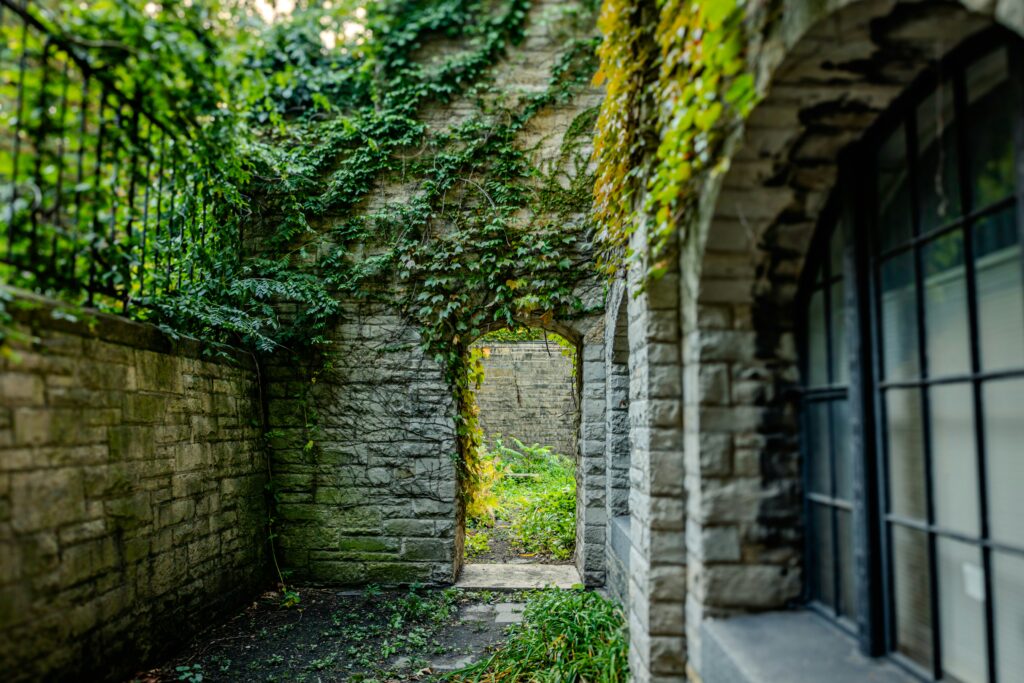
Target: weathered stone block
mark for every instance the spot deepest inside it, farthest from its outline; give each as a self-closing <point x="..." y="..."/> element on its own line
<point x="751" y="586"/>
<point x="422" y="549"/>
<point x="158" y="372"/>
<point x="46" y="499"/>
<point x="144" y="408"/>
<point x="17" y="388"/>
<point x="131" y="443"/>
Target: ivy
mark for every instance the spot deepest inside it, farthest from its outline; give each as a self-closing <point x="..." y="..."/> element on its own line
<point x="701" y="89"/>
<point x="295" y="141"/>
<point x="625" y="55"/>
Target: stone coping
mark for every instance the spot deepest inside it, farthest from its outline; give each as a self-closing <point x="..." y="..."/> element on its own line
<point x="39" y="312"/>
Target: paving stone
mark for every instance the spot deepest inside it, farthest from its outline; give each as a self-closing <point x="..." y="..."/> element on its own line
<point x="478" y="613"/>
<point x="509" y="613"/>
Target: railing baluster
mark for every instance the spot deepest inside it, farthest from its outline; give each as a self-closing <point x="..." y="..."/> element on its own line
<point x="134" y="254"/>
<point x="80" y="177"/>
<point x="133" y="156"/>
<point x="19" y="116"/>
<point x="170" y="224"/>
<point x="193" y="199"/>
<point x="57" y="208"/>
<point x="94" y="236"/>
<point x="145" y="212"/>
<point x="159" y="213"/>
<point x="42" y="103"/>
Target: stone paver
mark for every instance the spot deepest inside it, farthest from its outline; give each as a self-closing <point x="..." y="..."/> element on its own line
<point x="509" y="612"/>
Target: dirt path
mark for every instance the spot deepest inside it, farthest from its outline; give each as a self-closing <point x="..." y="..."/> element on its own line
<point x="502" y="551"/>
<point x="360" y="636"/>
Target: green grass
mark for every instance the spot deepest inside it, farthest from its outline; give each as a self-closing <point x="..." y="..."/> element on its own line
<point x="478" y="542"/>
<point x="535" y="492"/>
<point x="565" y="637"/>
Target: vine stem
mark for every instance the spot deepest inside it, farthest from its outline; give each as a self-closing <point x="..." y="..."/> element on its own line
<point x="270" y="472"/>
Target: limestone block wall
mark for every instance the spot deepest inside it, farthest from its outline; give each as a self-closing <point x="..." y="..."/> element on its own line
<point x="617" y="444"/>
<point x="132" y="506"/>
<point x="827" y="71"/>
<point x="529" y="392"/>
<point x="364" y="457"/>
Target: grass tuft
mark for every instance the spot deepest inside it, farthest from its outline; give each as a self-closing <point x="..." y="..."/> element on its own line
<point x="566" y="637"/>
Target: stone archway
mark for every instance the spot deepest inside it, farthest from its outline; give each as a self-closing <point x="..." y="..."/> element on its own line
<point x="828" y="74"/>
<point x="587" y="334"/>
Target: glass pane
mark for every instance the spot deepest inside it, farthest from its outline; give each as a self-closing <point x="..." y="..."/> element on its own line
<point x="961" y="611"/>
<point x="912" y="594"/>
<point x="847" y="587"/>
<point x="1004" y="441"/>
<point x="1008" y="603"/>
<point x="907" y="484"/>
<point x="840" y="363"/>
<point x="894" y="221"/>
<point x="899" y="318"/>
<point x="947" y="330"/>
<point x="819" y="459"/>
<point x="841" y="449"/>
<point x="938" y="179"/>
<point x="954" y="462"/>
<point x="835" y="248"/>
<point x="824" y="560"/>
<point x="817" y="342"/>
<point x="991" y="110"/>
<point x="1000" y="291"/>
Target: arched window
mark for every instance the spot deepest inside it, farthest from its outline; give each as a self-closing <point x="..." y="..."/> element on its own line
<point x="913" y="378"/>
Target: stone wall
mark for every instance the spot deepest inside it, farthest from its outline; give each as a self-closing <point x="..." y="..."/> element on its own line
<point x="529" y="392"/>
<point x="715" y="487"/>
<point x="132" y="507"/>
<point x="617" y="446"/>
<point x="365" y="457"/>
<point x="828" y="72"/>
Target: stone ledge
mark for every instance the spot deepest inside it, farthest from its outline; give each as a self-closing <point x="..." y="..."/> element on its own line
<point x="795" y="647"/>
<point x="36" y="312"/>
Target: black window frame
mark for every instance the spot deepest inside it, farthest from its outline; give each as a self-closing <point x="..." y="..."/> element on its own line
<point x="854" y="194"/>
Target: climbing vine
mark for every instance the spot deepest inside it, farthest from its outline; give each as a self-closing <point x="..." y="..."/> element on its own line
<point x="476" y="236"/>
<point x="700" y="89"/>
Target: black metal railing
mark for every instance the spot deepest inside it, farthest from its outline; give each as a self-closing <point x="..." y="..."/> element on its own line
<point x="101" y="202"/>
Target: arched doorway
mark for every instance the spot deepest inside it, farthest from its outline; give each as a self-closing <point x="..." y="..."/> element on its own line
<point x="847" y="120"/>
<point x="581" y="423"/>
<point x="526" y="395"/>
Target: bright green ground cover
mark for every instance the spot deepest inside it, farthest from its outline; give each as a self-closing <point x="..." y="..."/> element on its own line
<point x="532" y="489"/>
<point x="566" y="637"/>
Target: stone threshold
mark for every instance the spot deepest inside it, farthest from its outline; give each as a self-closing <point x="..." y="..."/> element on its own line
<point x="518" y="576"/>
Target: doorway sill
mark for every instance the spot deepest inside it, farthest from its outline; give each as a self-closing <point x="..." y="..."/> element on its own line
<point x="795" y="647"/>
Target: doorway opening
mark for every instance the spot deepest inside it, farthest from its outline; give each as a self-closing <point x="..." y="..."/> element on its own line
<point x="522" y="507"/>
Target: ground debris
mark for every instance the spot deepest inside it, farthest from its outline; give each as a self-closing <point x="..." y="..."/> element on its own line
<point x="362" y="636"/>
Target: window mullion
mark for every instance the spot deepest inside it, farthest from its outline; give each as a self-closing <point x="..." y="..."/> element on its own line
<point x="922" y="355"/>
<point x="967" y="201"/>
<point x="867" y="495"/>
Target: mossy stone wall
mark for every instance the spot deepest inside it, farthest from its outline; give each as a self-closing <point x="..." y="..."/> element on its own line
<point x="132" y="503"/>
